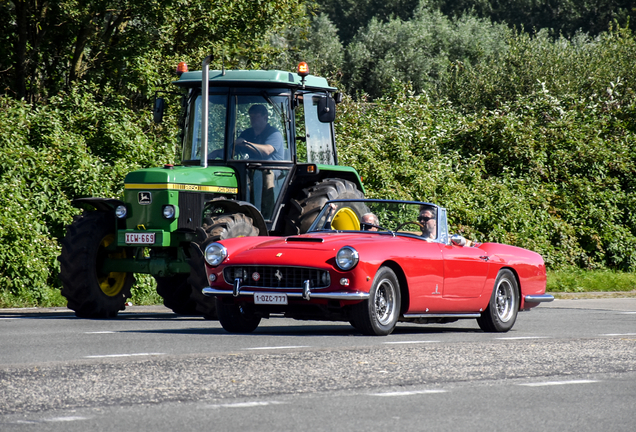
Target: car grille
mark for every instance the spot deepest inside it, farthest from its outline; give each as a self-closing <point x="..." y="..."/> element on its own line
<point x="277" y="277"/>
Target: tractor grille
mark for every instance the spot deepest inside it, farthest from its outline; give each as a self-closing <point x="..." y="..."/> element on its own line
<point x="277" y="277"/>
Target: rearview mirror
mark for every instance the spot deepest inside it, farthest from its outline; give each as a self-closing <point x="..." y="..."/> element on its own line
<point x="326" y="109"/>
<point x="157" y="112"/>
<point x="458" y="240"/>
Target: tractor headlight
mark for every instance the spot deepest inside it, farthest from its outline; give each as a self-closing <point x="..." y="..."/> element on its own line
<point x="215" y="253"/>
<point x="169" y="212"/>
<point x="121" y="211"/>
<point x="347" y="258"/>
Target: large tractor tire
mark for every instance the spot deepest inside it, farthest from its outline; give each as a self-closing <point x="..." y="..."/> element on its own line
<point x="303" y="211"/>
<point x="175" y="291"/>
<point x="219" y="227"/>
<point x="90" y="292"/>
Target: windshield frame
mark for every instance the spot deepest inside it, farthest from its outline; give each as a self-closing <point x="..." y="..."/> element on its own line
<point x="441" y="220"/>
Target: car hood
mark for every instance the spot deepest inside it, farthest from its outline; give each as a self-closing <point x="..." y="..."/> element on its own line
<point x="302" y="250"/>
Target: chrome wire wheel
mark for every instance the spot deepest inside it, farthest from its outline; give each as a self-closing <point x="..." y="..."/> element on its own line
<point x="505" y="300"/>
<point x="385" y="304"/>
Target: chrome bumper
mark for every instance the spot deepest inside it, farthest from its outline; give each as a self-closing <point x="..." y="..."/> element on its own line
<point x="541" y="298"/>
<point x="305" y="295"/>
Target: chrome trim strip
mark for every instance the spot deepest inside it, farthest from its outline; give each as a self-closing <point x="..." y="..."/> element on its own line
<point x="541" y="298"/>
<point x="444" y="315"/>
<point x="332" y="295"/>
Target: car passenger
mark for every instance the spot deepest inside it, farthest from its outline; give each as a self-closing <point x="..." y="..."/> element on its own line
<point x="369" y="222"/>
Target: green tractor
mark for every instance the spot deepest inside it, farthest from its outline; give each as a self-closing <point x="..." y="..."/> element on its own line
<point x="258" y="158"/>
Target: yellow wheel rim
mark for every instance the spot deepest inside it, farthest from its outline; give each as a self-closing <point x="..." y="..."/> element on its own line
<point x="112" y="283"/>
<point x="345" y="220"/>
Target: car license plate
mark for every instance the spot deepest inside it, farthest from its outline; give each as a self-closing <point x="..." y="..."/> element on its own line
<point x="140" y="238"/>
<point x="270" y="298"/>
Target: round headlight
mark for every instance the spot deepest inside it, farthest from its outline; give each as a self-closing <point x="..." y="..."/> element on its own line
<point x="347" y="258"/>
<point x="169" y="211"/>
<point x="215" y="253"/>
<point x="121" y="211"/>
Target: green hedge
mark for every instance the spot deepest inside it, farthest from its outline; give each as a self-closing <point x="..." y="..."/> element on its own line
<point x="80" y="144"/>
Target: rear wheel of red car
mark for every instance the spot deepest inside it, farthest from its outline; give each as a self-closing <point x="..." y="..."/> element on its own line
<point x="501" y="313"/>
<point x="378" y="315"/>
<point x="236" y="318"/>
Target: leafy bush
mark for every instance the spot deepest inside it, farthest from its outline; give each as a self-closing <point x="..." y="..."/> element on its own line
<point x="78" y="145"/>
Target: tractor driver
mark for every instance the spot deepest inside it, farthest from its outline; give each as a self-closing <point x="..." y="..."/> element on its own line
<point x="262" y="141"/>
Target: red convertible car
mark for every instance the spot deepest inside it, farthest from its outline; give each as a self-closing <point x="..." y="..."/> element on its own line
<point x="373" y="263"/>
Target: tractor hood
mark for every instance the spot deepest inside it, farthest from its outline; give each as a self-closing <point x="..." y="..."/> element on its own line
<point x="218" y="179"/>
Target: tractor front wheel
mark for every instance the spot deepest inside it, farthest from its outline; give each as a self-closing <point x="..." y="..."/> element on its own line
<point x="90" y="291"/>
<point x="220" y="227"/>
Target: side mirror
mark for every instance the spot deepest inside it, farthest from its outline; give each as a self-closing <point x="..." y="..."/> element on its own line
<point x="157" y="112"/>
<point x="458" y="240"/>
<point x="326" y="109"/>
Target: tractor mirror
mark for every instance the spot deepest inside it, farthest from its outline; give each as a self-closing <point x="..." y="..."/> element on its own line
<point x="326" y="109"/>
<point x="157" y="113"/>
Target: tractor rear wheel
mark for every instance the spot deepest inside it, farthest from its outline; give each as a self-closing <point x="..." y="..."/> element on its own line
<point x="91" y="292"/>
<point x="220" y="227"/>
<point x="175" y="291"/>
<point x="304" y="210"/>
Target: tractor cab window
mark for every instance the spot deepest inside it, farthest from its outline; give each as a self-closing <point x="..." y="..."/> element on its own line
<point x="260" y="133"/>
<point x="217" y="115"/>
<point x="317" y="145"/>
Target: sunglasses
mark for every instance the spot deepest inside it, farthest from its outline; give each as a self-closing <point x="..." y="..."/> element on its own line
<point x="425" y="218"/>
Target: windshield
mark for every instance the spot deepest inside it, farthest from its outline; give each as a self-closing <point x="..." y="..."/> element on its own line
<point x="217" y="115"/>
<point x="420" y="219"/>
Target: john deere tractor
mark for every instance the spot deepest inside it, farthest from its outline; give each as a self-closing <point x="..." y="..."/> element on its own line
<point x="229" y="184"/>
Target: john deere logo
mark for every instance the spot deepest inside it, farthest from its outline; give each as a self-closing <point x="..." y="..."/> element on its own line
<point x="145" y="198"/>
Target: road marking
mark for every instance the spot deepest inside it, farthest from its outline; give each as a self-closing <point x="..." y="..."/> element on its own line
<point x="278" y="347"/>
<point x="619" y="334"/>
<point x="522" y="337"/>
<point x="100" y="332"/>
<point x="7" y="318"/>
<point x="243" y="405"/>
<point x="629" y="313"/>
<point x="124" y="355"/>
<point x="409" y="342"/>
<point x="554" y="383"/>
<point x="65" y="419"/>
<point x="408" y="393"/>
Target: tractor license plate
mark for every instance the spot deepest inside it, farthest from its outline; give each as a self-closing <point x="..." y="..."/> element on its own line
<point x="270" y="298"/>
<point x="140" y="238"/>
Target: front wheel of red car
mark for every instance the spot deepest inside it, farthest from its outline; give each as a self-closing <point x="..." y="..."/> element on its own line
<point x="235" y="318"/>
<point x="501" y="313"/>
<point x="378" y="315"/>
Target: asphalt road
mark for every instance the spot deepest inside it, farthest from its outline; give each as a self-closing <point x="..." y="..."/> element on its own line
<point x="568" y="365"/>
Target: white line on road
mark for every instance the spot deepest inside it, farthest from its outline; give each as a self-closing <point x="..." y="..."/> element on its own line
<point x="554" y="383"/>
<point x="124" y="355"/>
<point x="100" y="332"/>
<point x="279" y="347"/>
<point x="243" y="404"/>
<point x="409" y="342"/>
<point x="408" y="393"/>
<point x="65" y="419"/>
<point x="521" y="337"/>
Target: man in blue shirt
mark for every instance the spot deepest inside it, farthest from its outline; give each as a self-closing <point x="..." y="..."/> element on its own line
<point x="262" y="141"/>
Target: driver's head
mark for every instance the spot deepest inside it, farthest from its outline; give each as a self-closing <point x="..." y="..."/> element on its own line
<point x="258" y="115"/>
<point x="428" y="220"/>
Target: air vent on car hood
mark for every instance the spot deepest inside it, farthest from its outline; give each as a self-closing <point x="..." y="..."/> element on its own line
<point x="305" y="239"/>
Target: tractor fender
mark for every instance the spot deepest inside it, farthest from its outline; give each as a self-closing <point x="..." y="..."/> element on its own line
<point x="100" y="204"/>
<point x="248" y="209"/>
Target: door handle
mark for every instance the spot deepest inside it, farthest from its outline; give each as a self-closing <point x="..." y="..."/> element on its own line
<point x="484" y="257"/>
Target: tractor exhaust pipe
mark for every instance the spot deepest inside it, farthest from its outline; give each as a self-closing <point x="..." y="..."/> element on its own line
<point x="205" y="89"/>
